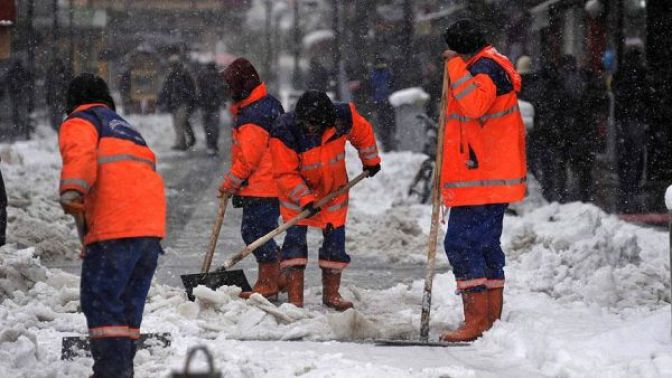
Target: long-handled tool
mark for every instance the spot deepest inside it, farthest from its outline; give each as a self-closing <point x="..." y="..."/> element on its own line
<point x="215" y="279"/>
<point x="433" y="234"/>
<point x="223" y="276"/>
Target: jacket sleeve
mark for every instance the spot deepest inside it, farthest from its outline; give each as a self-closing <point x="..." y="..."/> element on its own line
<point x="473" y="94"/>
<point x="287" y="176"/>
<point x="362" y="137"/>
<point x="78" y="141"/>
<point x="252" y="142"/>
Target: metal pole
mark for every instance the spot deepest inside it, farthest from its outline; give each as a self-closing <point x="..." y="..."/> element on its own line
<point x="269" y="40"/>
<point x="296" y="76"/>
<point x="31" y="68"/>
<point x="71" y="31"/>
<point x="337" y="48"/>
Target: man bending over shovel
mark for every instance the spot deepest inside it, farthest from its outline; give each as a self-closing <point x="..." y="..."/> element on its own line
<point x="109" y="183"/>
<point x="308" y="148"/>
<point x="250" y="179"/>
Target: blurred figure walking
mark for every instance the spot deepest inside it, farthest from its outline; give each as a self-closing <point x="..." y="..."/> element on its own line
<point x="632" y="89"/>
<point x="178" y="96"/>
<point x="18" y="81"/>
<point x="211" y="92"/>
<point x="381" y="82"/>
<point x="56" y="83"/>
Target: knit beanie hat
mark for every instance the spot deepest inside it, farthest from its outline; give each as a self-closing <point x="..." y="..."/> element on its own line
<point x="315" y="107"/>
<point x="464" y="37"/>
<point x="242" y="78"/>
<point x="87" y="89"/>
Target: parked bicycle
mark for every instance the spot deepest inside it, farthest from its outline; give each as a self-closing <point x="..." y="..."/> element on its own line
<point x="422" y="183"/>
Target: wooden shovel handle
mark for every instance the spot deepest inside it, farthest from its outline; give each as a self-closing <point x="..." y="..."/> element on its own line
<point x="436" y="200"/>
<point x="304" y="214"/>
<point x="214" y="236"/>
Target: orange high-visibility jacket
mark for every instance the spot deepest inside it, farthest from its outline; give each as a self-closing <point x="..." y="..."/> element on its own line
<point x="484" y="146"/>
<point x="308" y="167"/>
<point x="251" y="165"/>
<point x="107" y="161"/>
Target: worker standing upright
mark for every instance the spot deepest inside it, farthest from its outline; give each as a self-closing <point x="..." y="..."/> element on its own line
<point x="109" y="179"/>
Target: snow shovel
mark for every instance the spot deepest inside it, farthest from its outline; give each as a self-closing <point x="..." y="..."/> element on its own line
<point x="304" y="214"/>
<point x="433" y="235"/>
<point x="216" y="279"/>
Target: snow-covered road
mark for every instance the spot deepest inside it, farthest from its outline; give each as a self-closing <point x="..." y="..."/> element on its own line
<point x="587" y="295"/>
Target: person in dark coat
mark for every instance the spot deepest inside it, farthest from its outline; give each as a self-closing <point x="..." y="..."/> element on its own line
<point x="381" y="81"/>
<point x="632" y="90"/>
<point x="178" y="96"/>
<point x="56" y="84"/>
<point x="592" y="112"/>
<point x="18" y="82"/>
<point x="210" y="99"/>
<point x="546" y="134"/>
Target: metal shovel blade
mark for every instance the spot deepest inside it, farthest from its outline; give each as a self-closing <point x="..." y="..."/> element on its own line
<point x="74" y="346"/>
<point x="215" y="280"/>
<point x="406" y="343"/>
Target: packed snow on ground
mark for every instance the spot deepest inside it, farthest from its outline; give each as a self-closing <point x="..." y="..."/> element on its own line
<point x="586" y="294"/>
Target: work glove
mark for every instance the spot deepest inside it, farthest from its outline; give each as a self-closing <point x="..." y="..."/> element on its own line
<point x="373" y="169"/>
<point x="72" y="202"/>
<point x="228" y="187"/>
<point x="310" y="206"/>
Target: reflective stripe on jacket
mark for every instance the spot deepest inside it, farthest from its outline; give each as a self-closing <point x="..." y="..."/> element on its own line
<point x="308" y="167"/>
<point x="251" y="164"/>
<point x="109" y="162"/>
<point x="484" y="149"/>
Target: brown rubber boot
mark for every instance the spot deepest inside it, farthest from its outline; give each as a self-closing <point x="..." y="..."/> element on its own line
<point x="331" y="281"/>
<point x="295" y="286"/>
<point x="282" y="277"/>
<point x="267" y="282"/>
<point x="475" y="318"/>
<point x="495" y="302"/>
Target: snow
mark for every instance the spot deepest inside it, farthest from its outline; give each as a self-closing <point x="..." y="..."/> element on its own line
<point x="668" y="198"/>
<point x="408" y="96"/>
<point x="587" y="294"/>
<point x="317" y="36"/>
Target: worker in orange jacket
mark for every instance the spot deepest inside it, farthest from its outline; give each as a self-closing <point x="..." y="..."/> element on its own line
<point x="250" y="178"/>
<point x="109" y="178"/>
<point x="483" y="170"/>
<point x="308" y="148"/>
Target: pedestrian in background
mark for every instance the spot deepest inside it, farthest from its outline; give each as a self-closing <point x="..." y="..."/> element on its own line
<point x="18" y="82"/>
<point x="178" y="96"/>
<point x="56" y="84"/>
<point x="109" y="179"/>
<point x="381" y="82"/>
<point x="250" y="179"/>
<point x="633" y="95"/>
<point x="483" y="170"/>
<point x="211" y="96"/>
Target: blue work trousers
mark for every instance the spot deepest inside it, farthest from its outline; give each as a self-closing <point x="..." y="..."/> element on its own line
<point x="473" y="246"/>
<point x="116" y="276"/>
<point x="332" y="255"/>
<point x="260" y="216"/>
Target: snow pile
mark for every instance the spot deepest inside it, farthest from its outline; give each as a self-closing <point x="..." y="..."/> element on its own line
<point x="576" y="252"/>
<point x="409" y="96"/>
<point x="35" y="219"/>
<point x="668" y="198"/>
